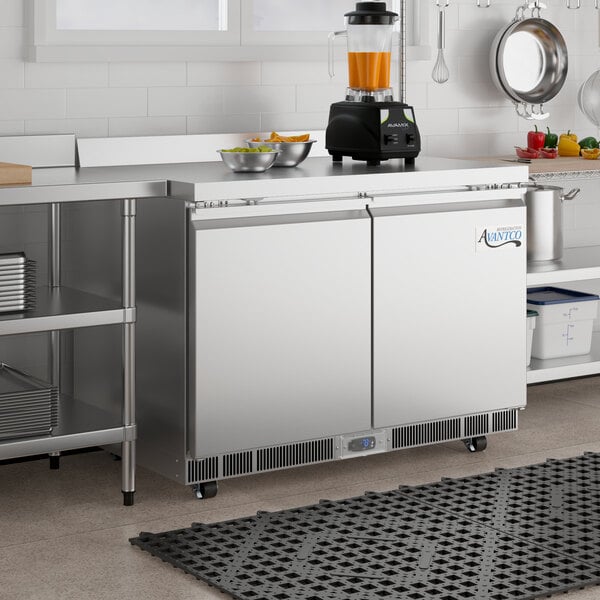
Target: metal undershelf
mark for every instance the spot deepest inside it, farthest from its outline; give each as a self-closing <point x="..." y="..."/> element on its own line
<point x="570" y="366"/>
<point x="80" y="425"/>
<point x="577" y="264"/>
<point x="65" y="308"/>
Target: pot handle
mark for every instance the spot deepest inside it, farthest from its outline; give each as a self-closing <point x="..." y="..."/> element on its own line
<point x="571" y="194"/>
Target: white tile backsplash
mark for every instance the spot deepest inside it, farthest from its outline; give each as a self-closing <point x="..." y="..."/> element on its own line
<point x="12" y="41"/>
<point x="12" y="127"/>
<point x="224" y="123"/>
<point x="94" y="127"/>
<point x="32" y="104"/>
<point x="131" y="126"/>
<point x="147" y="74"/>
<point x="174" y="101"/>
<point x="56" y="75"/>
<point x="11" y="13"/>
<point x="223" y="73"/>
<point x="315" y="98"/>
<point x="256" y="99"/>
<point x="110" y="102"/>
<point x="13" y="73"/>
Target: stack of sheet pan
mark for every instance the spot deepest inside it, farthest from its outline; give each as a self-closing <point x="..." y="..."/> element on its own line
<point x="28" y="406"/>
<point x="17" y="282"/>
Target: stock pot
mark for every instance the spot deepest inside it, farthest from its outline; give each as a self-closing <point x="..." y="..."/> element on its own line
<point x="545" y="221"/>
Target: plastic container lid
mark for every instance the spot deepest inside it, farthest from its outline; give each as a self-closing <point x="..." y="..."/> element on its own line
<point x="553" y="295"/>
<point x="532" y="313"/>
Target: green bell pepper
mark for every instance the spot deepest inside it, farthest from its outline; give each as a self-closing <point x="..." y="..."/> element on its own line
<point x="551" y="139"/>
<point x="589" y="142"/>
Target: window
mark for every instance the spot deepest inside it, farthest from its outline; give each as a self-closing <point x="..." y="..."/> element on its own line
<point x="196" y="29"/>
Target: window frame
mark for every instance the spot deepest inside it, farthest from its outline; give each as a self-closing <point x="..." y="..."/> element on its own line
<point x="238" y="43"/>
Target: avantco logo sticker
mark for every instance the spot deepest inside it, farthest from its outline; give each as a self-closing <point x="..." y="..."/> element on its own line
<point x="499" y="236"/>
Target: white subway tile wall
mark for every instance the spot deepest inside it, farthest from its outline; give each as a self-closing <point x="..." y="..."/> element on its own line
<point x="131" y="98"/>
<point x="465" y="117"/>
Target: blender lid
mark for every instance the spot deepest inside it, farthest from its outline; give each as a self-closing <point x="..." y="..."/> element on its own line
<point x="371" y="13"/>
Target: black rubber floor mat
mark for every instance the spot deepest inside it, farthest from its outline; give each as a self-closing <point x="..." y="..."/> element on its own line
<point x="394" y="545"/>
<point x="555" y="504"/>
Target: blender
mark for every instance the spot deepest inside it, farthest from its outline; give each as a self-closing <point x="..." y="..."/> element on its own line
<point x="369" y="125"/>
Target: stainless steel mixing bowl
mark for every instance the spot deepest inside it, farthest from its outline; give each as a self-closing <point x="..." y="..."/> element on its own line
<point x="291" y="154"/>
<point x="249" y="162"/>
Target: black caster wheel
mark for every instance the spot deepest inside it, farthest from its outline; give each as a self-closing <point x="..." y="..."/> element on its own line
<point x="337" y="158"/>
<point x="54" y="462"/>
<point x="128" y="498"/>
<point x="409" y="161"/>
<point x="476" y="444"/>
<point x="206" y="490"/>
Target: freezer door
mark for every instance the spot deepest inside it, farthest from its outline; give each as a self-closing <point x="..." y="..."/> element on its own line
<point x="280" y="330"/>
<point x="449" y="310"/>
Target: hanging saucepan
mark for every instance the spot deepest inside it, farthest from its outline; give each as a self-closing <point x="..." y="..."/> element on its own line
<point x="529" y="62"/>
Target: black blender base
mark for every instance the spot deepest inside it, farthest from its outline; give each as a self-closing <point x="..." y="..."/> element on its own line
<point x="373" y="162"/>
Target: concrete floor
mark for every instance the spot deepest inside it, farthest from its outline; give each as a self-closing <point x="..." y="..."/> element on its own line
<point x="63" y="534"/>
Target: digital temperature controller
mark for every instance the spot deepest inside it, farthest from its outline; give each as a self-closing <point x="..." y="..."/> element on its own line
<point x="362" y="443"/>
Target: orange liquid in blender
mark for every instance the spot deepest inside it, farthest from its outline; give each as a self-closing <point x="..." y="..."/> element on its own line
<point x="369" y="70"/>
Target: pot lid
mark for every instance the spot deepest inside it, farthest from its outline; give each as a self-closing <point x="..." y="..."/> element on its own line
<point x="371" y="13"/>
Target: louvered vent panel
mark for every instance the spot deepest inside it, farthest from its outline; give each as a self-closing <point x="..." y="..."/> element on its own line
<point x="505" y="420"/>
<point x="302" y="453"/>
<point x="239" y="463"/>
<point x="425" y="433"/>
<point x="477" y="425"/>
<point x="206" y="469"/>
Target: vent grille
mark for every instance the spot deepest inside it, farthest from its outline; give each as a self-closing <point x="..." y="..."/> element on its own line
<point x="477" y="425"/>
<point x="425" y="433"/>
<point x="291" y="455"/>
<point x="239" y="463"/>
<point x="206" y="469"/>
<point x="505" y="420"/>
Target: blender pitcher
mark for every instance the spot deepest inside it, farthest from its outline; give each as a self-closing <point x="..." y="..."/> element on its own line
<point x="369" y="34"/>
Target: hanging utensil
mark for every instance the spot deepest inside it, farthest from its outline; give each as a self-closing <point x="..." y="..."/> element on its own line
<point x="529" y="61"/>
<point x="440" y="73"/>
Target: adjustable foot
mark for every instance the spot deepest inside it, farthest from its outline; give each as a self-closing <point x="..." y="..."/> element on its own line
<point x="128" y="498"/>
<point x="54" y="461"/>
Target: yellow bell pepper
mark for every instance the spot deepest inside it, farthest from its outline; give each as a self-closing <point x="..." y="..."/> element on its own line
<point x="567" y="145"/>
<point x="590" y="153"/>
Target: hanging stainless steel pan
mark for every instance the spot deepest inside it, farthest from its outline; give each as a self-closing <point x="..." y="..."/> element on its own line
<point x="529" y="62"/>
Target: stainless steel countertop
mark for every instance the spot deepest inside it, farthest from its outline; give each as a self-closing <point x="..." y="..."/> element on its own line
<point x="214" y="181"/>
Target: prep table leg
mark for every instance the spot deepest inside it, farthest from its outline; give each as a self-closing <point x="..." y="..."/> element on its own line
<point x="54" y="256"/>
<point x="128" y="447"/>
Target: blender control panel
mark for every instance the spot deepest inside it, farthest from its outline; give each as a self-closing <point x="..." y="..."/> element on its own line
<point x="398" y="129"/>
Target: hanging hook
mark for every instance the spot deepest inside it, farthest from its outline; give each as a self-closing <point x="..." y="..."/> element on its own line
<point x="442" y="3"/>
<point x="596" y="4"/>
<point x="578" y="5"/>
<point x="489" y="3"/>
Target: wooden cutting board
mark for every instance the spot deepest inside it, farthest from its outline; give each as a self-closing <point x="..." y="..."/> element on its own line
<point x="12" y="173"/>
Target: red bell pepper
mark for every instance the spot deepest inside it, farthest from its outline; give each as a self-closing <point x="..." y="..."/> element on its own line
<point x="549" y="152"/>
<point x="526" y="152"/>
<point x="536" y="139"/>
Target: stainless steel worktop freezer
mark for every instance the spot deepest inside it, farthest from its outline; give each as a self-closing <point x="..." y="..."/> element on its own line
<point x="326" y="312"/>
